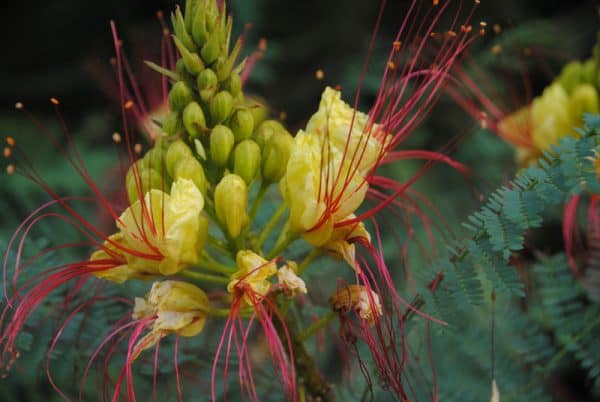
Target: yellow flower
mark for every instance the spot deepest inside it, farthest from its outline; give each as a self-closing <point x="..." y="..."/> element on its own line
<point x="325" y="182"/>
<point x="340" y="244"/>
<point x="252" y="276"/>
<point x="160" y="236"/>
<point x="175" y="307"/>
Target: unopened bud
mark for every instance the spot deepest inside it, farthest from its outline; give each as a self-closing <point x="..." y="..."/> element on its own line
<point x="584" y="100"/>
<point x="177" y="151"/>
<point x="180" y="96"/>
<point x="194" y="120"/>
<point x="259" y="110"/>
<point x="589" y="72"/>
<point x="211" y="49"/>
<point x="276" y="154"/>
<point x="242" y="124"/>
<point x="207" y="84"/>
<point x="221" y="143"/>
<point x="266" y="130"/>
<point x="570" y="76"/>
<point x="172" y="123"/>
<point x="192" y="62"/>
<point x="154" y="158"/>
<point x="231" y="202"/>
<point x="141" y="180"/>
<point x="246" y="160"/>
<point x="235" y="84"/>
<point x="220" y="107"/>
<point x="199" y="31"/>
<point x="189" y="168"/>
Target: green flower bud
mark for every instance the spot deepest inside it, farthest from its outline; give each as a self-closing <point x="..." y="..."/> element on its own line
<point x="199" y="31"/>
<point x="225" y="66"/>
<point x="221" y="143"/>
<point x="211" y="49"/>
<point x="193" y="120"/>
<point x="172" y="123"/>
<point x="220" y="107"/>
<point x="258" y="108"/>
<point x="154" y="158"/>
<point x="179" y="96"/>
<point x="178" y="23"/>
<point x="177" y="151"/>
<point x="192" y="62"/>
<point x="235" y="84"/>
<point x="276" y="154"/>
<point x="242" y="124"/>
<point x="589" y="72"/>
<point x="140" y="180"/>
<point x="189" y="168"/>
<point x="231" y="202"/>
<point x="207" y="84"/>
<point x="584" y="100"/>
<point x="246" y="160"/>
<point x="266" y="130"/>
<point x="190" y="10"/>
<point x="570" y="76"/>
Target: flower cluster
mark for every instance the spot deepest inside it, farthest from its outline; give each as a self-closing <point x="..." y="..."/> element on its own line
<point x="192" y="222"/>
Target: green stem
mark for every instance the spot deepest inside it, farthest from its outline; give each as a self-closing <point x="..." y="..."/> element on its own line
<point x="282" y="244"/>
<point x="219" y="245"/>
<point x="269" y="226"/>
<point x="205" y="277"/>
<point x="216" y="267"/>
<point x="264" y="186"/>
<point x="317" y="325"/>
<point x="308" y="259"/>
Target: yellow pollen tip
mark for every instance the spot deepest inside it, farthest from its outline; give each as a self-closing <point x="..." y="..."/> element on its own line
<point x="497" y="28"/>
<point x="496" y="49"/>
<point x="483" y="24"/>
<point x="137" y="148"/>
<point x="54" y="101"/>
<point x="396" y="45"/>
<point x="10" y="169"/>
<point x="116" y="137"/>
<point x="128" y="104"/>
<point x="19" y="106"/>
<point x="10" y="141"/>
<point x="392" y="65"/>
<point x="319" y="74"/>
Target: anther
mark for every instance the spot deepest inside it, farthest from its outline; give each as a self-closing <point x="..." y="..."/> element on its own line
<point x="166" y="32"/>
<point x="436" y="2"/>
<point x="392" y="65"/>
<point x="452" y="34"/>
<point x="396" y="45"/>
<point x="282" y="116"/>
<point x="19" y="105"/>
<point x="116" y="137"/>
<point x="7" y="152"/>
<point x="496" y="49"/>
<point x="262" y="44"/>
<point x="54" y="101"/>
<point x="10" y="169"/>
<point x="483" y="24"/>
<point x="497" y="28"/>
<point x="319" y="74"/>
<point x="432" y="34"/>
<point x="10" y="141"/>
<point x="137" y="148"/>
<point x="128" y="104"/>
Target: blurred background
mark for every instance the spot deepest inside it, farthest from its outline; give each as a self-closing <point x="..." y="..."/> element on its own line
<point x="63" y="49"/>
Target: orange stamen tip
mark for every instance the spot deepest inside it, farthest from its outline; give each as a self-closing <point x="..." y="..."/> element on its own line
<point x="451" y="34"/>
<point x="497" y="28"/>
<point x="10" y="169"/>
<point x="482" y="31"/>
<point x="10" y="141"/>
<point x="319" y="74"/>
<point x="477" y="1"/>
<point x="433" y="34"/>
<point x="436" y="2"/>
<point x="262" y="44"/>
<point x="166" y="32"/>
<point x="248" y="26"/>
<point x="496" y="49"/>
<point x="116" y="137"/>
<point x="137" y="148"/>
<point x="282" y="116"/>
<point x="54" y="101"/>
<point x="7" y="152"/>
<point x="160" y="14"/>
<point x="466" y="28"/>
<point x="128" y="104"/>
<point x="19" y="106"/>
<point x="392" y="65"/>
<point x="483" y="24"/>
<point x="397" y="45"/>
<point x="338" y="88"/>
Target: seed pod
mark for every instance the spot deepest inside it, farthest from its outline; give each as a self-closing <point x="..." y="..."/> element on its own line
<point x="141" y="180"/>
<point x="172" y="123"/>
<point x="242" y="124"/>
<point x="194" y="120"/>
<point x="189" y="168"/>
<point x="207" y="84"/>
<point x="220" y="107"/>
<point x="231" y="202"/>
<point x="177" y="151"/>
<point x="246" y="160"/>
<point x="275" y="156"/>
<point x="179" y="96"/>
<point x="221" y="143"/>
<point x="266" y="130"/>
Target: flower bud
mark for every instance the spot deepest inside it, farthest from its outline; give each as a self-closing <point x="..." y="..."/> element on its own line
<point x="177" y="151"/>
<point x="199" y="31"/>
<point x="179" y="96"/>
<point x="231" y="202"/>
<point x="570" y="76"/>
<point x="242" y="124"/>
<point x="258" y="108"/>
<point x="221" y="143"/>
<point x="589" y="72"/>
<point x="192" y="62"/>
<point x="252" y="277"/>
<point x="154" y="158"/>
<point x="246" y="160"/>
<point x="194" y="120"/>
<point x="276" y="154"/>
<point x="207" y="84"/>
<point x="189" y="168"/>
<point x="211" y="49"/>
<point x="141" y="180"/>
<point x="220" y="107"/>
<point x="235" y="84"/>
<point x="172" y="124"/>
<point x="266" y="130"/>
<point x="584" y="100"/>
